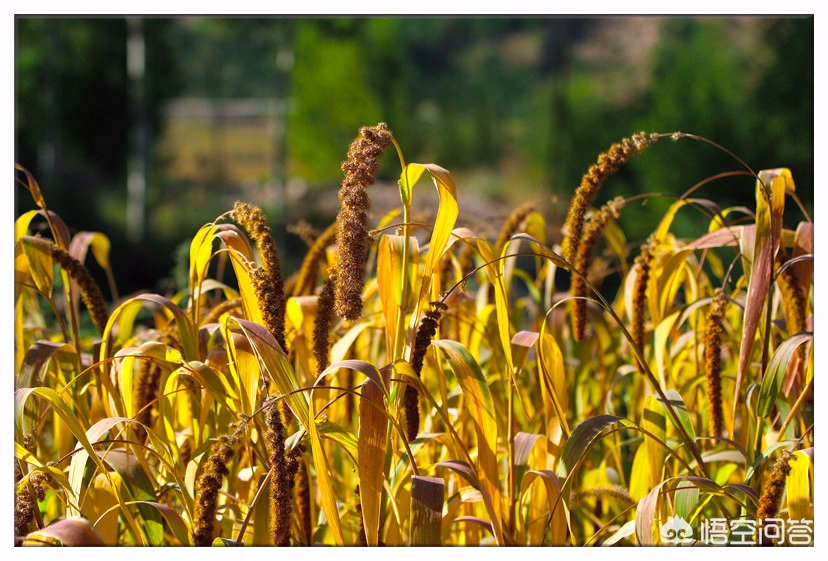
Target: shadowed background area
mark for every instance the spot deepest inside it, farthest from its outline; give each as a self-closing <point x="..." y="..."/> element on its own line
<point x="147" y="128"/>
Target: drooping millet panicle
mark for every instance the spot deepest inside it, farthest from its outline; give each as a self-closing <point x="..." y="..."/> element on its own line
<point x="606" y="164"/>
<point x="353" y="237"/>
<point x="411" y="406"/>
<point x="772" y="493"/>
<point x="90" y="291"/>
<point x="425" y="333"/>
<point x="284" y="468"/>
<point x="313" y="258"/>
<point x="583" y="258"/>
<point x="713" y="360"/>
<point x="512" y="224"/>
<point x="208" y="486"/>
<point x="287" y="413"/>
<point x="216" y="312"/>
<point x="639" y="300"/>
<point x="614" y="492"/>
<point x="267" y="280"/>
<point x="322" y="325"/>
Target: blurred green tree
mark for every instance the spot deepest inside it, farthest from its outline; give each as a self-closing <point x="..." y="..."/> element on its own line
<point x="516" y="107"/>
<point x="72" y="116"/>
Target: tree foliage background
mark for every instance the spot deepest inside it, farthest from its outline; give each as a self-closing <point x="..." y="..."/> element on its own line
<point x="517" y="108"/>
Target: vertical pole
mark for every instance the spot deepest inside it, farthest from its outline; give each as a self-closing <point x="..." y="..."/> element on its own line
<point x="426" y="510"/>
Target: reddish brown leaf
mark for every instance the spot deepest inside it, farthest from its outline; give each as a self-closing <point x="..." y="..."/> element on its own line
<point x="770" y="205"/>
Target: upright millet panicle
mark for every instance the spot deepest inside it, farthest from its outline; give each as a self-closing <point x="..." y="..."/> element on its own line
<point x="793" y="301"/>
<point x="794" y="305"/>
<point x="513" y="222"/>
<point x="607" y="163"/>
<point x="207" y="489"/>
<point x="90" y="291"/>
<point x="145" y="385"/>
<point x="772" y="493"/>
<point x="303" y="504"/>
<point x="353" y="238"/>
<point x="215" y="313"/>
<point x="712" y="360"/>
<point x="583" y="259"/>
<point x="267" y="280"/>
<point x="639" y="300"/>
<point x="613" y="492"/>
<point x="284" y="468"/>
<point x="271" y="303"/>
<point x="322" y="325"/>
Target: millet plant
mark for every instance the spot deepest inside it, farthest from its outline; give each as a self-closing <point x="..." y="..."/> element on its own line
<point x="421" y="382"/>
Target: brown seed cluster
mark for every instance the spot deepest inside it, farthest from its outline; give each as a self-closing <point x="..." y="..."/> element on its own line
<point x="284" y="468"/>
<point x="25" y="507"/>
<point x="353" y="237"/>
<point x="267" y="280"/>
<point x="322" y="325"/>
<point x="583" y="258"/>
<point x="148" y="378"/>
<point x="772" y="492"/>
<point x="303" y="504"/>
<point x="793" y="300"/>
<point x="272" y="304"/>
<point x="208" y="487"/>
<point x="186" y="451"/>
<point x="712" y="360"/>
<point x="794" y="304"/>
<point x="613" y="492"/>
<point x="639" y="300"/>
<point x="513" y="223"/>
<point x="425" y="333"/>
<point x="606" y="164"/>
<point x="90" y="291"/>
<point x="217" y="311"/>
